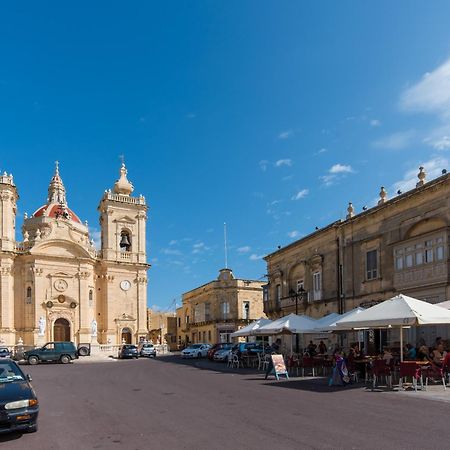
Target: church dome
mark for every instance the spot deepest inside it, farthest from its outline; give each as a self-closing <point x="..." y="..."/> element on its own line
<point x="57" y="211"/>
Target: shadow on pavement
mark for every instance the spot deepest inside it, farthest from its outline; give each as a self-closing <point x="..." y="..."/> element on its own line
<point x="10" y="436"/>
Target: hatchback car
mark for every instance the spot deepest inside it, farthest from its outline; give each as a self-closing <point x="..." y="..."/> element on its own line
<point x="128" y="351"/>
<point x="4" y="352"/>
<point x="196" y="351"/>
<point x="147" y="350"/>
<point x="222" y="354"/>
<point x="217" y="347"/>
<point x="19" y="406"/>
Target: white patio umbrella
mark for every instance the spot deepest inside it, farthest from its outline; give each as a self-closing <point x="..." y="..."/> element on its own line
<point x="445" y="305"/>
<point x="348" y="314"/>
<point x="249" y="329"/>
<point x="323" y="323"/>
<point x="400" y="311"/>
<point x="291" y="323"/>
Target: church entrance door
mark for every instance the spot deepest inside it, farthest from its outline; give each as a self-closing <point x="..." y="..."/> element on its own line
<point x="61" y="330"/>
<point x="126" y="336"/>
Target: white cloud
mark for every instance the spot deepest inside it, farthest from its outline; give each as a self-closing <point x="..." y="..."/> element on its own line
<point x="255" y="257"/>
<point x="96" y="235"/>
<point x="287" y="178"/>
<point x="263" y="164"/>
<point x="320" y="151"/>
<point x="300" y="194"/>
<point x="335" y="173"/>
<point x="293" y="234"/>
<point x="173" y="242"/>
<point x="286" y="134"/>
<point x="170" y="251"/>
<point x="395" y="141"/>
<point x="244" y="249"/>
<point x="341" y="168"/>
<point x="433" y="169"/>
<point x="200" y="247"/>
<point x="431" y="93"/>
<point x="375" y="123"/>
<point x="283" y="162"/>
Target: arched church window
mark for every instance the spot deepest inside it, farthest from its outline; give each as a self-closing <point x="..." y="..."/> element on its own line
<point x="125" y="241"/>
<point x="91" y="296"/>
<point x="28" y="298"/>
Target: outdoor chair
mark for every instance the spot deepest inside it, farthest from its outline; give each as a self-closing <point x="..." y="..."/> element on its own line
<point x="435" y="373"/>
<point x="266" y="361"/>
<point x="381" y="369"/>
<point x="308" y="363"/>
<point x="411" y="370"/>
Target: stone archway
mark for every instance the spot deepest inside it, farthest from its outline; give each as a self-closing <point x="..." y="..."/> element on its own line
<point x="61" y="330"/>
<point x="126" y="335"/>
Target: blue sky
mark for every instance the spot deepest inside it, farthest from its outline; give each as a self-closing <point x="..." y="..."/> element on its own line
<point x="270" y="116"/>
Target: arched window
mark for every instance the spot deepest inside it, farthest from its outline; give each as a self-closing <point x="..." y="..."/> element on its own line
<point x="91" y="297"/>
<point x="125" y="241"/>
<point x="29" y="298"/>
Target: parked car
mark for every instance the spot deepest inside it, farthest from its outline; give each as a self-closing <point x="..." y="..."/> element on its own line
<point x="128" y="351"/>
<point x="217" y="347"/>
<point x="64" y="352"/>
<point x="147" y="350"/>
<point x="222" y="354"/>
<point x="19" y="406"/>
<point x="248" y="347"/>
<point x="4" y="352"/>
<point x="196" y="351"/>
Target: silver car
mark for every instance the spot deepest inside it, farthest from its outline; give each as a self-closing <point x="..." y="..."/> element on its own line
<point x="148" y="350"/>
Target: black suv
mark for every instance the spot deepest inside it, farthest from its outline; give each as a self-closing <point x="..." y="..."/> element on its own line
<point x="63" y="352"/>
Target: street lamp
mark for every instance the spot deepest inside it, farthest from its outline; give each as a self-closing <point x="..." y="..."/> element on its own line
<point x="299" y="294"/>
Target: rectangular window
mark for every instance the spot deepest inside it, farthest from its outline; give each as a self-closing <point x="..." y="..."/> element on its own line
<point x="399" y="262"/>
<point x="409" y="260"/>
<point x="278" y="293"/>
<point x="207" y="312"/>
<point x="187" y="319"/>
<point x="429" y="255"/>
<point x="266" y="293"/>
<point x="209" y="335"/>
<point x="371" y="265"/>
<point x="179" y="322"/>
<point x="317" y="286"/>
<point x="246" y="310"/>
<point x="225" y="310"/>
<point x="300" y="285"/>
<point x="419" y="258"/>
<point x="440" y="253"/>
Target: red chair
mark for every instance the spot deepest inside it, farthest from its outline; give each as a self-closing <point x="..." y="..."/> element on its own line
<point x="410" y="369"/>
<point x="308" y="363"/>
<point x="381" y="369"/>
<point x="434" y="372"/>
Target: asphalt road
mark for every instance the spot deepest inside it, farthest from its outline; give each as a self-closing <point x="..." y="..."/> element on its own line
<point x="172" y="404"/>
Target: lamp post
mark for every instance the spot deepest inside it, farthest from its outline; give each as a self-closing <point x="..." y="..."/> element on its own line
<point x="299" y="294"/>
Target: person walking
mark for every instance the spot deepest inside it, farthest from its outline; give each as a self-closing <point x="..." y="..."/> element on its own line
<point x="274" y="349"/>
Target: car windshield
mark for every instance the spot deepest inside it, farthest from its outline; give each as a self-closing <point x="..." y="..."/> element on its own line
<point x="9" y="372"/>
<point x="195" y="346"/>
<point x="4" y="350"/>
<point x="147" y="346"/>
<point x="129" y="347"/>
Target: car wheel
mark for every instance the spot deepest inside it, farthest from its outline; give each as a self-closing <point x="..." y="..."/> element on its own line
<point x="83" y="351"/>
<point x="33" y="360"/>
<point x="65" y="359"/>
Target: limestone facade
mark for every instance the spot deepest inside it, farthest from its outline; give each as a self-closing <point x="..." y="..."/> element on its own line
<point x="162" y="328"/>
<point x="210" y="313"/>
<point x="55" y="285"/>
<point x="398" y="246"/>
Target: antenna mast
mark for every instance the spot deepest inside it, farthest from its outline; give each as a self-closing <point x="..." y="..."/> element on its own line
<point x="225" y="244"/>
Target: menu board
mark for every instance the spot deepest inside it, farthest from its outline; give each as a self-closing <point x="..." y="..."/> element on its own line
<point x="279" y="366"/>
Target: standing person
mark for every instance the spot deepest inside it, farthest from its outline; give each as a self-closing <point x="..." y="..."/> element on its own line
<point x="274" y="349"/>
<point x="322" y="348"/>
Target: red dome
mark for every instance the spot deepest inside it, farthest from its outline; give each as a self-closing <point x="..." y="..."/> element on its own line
<point x="56" y="211"/>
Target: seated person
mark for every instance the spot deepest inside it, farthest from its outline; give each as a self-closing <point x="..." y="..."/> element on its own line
<point x="410" y="352"/>
<point x="387" y="356"/>
<point x="312" y="348"/>
<point x="423" y="353"/>
<point x="322" y="348"/>
<point x="355" y="351"/>
<point x="438" y="354"/>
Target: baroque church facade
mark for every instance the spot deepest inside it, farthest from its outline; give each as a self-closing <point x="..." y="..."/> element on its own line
<point x="55" y="285"/>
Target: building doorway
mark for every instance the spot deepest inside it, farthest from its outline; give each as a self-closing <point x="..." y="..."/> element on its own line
<point x="126" y="335"/>
<point x="61" y="330"/>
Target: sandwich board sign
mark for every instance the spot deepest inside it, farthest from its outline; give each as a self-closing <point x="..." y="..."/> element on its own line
<point x="279" y="368"/>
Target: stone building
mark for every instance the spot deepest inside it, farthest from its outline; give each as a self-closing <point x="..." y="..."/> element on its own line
<point x="162" y="328"/>
<point x="398" y="246"/>
<point x="210" y="313"/>
<point x="55" y="285"/>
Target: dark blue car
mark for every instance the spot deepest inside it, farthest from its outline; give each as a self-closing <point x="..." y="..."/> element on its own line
<point x="19" y="406"/>
<point x="128" y="351"/>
